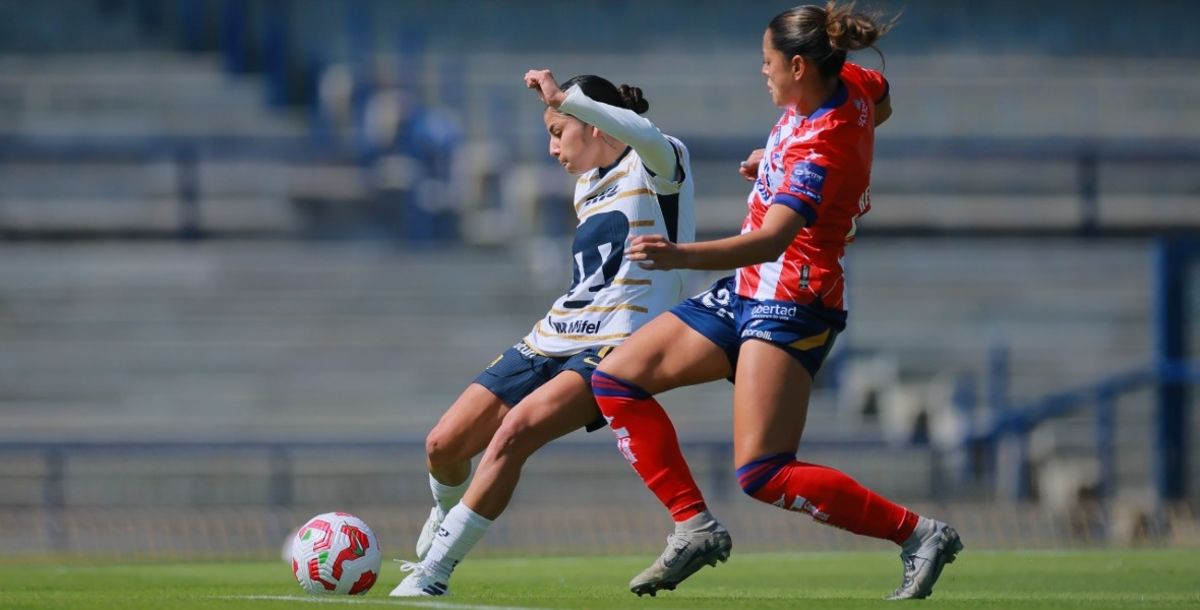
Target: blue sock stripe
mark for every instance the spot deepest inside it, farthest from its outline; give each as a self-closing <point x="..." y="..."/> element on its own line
<point x="604" y="384"/>
<point x="754" y="475"/>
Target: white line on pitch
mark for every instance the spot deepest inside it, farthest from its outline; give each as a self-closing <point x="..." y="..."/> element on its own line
<point x="375" y="602"/>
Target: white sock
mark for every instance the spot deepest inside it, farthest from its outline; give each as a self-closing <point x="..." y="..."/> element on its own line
<point x="446" y="496"/>
<point x="925" y="526"/>
<point x="461" y="529"/>
<point x="700" y="522"/>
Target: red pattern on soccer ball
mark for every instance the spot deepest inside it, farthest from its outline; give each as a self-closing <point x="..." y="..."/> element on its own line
<point x="322" y="526"/>
<point x="365" y="582"/>
<point x="359" y="543"/>
<point x="314" y="574"/>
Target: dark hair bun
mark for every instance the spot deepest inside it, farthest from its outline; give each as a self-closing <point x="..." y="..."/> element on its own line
<point x="850" y="31"/>
<point x="631" y="98"/>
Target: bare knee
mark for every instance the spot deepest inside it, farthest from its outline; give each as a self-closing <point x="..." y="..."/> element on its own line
<point x="516" y="439"/>
<point x="445" y="449"/>
<point x="627" y="365"/>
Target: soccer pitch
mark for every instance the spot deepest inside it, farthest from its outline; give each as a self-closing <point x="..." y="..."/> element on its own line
<point x="1077" y="579"/>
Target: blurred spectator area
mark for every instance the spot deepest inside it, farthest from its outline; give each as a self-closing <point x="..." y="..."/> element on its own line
<point x="409" y="120"/>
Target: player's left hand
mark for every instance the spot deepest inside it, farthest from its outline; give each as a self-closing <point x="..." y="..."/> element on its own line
<point x="654" y="252"/>
<point x="547" y="89"/>
<point x="749" y="168"/>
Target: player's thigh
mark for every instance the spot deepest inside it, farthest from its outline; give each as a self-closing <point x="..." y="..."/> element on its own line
<point x="560" y="406"/>
<point x="666" y="354"/>
<point x="466" y="428"/>
<point x="770" y="402"/>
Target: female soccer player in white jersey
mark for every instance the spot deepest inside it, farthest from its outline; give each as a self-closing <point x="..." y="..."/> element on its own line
<point x="633" y="181"/>
<point x="772" y="323"/>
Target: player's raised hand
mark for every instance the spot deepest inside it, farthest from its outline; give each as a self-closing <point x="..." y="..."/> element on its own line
<point x="547" y="89"/>
<point x="749" y="168"/>
<point x="654" y="252"/>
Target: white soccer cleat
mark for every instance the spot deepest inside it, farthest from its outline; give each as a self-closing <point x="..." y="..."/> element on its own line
<point x="428" y="531"/>
<point x="685" y="554"/>
<point x="422" y="582"/>
<point x="933" y="545"/>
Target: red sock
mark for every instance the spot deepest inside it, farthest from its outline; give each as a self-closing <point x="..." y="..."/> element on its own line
<point x="647" y="439"/>
<point x="828" y="495"/>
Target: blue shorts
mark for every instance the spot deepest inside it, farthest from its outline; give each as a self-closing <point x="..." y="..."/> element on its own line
<point x="807" y="332"/>
<point x="519" y="371"/>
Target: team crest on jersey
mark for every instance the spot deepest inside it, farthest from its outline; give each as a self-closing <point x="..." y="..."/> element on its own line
<point x="807" y="179"/>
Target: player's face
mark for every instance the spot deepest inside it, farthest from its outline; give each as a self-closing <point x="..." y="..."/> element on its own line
<point x="570" y="142"/>
<point x="781" y="77"/>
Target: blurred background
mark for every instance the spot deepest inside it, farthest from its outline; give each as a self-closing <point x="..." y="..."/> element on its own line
<point x="250" y="250"/>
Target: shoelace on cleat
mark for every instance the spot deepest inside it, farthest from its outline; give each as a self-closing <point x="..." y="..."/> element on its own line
<point x="409" y="566"/>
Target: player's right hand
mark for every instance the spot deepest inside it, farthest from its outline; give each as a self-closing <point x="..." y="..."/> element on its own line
<point x="654" y="252"/>
<point x="542" y="81"/>
<point x="749" y="168"/>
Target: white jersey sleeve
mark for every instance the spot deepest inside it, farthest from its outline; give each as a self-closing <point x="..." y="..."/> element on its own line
<point x="656" y="152"/>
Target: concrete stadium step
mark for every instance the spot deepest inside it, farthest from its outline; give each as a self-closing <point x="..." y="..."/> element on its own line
<point x="163" y="214"/>
<point x="100" y="179"/>
<point x="141" y="93"/>
<point x="65" y="26"/>
<point x="954" y="91"/>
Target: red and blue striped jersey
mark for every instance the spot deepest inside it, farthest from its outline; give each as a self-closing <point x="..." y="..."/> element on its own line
<point x="819" y="166"/>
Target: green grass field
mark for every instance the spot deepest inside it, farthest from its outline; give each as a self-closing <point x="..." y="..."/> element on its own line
<point x="1091" y="579"/>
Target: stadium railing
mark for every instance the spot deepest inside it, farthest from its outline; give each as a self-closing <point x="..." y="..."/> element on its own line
<point x="1169" y="375"/>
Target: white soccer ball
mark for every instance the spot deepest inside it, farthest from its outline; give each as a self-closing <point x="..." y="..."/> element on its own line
<point x="335" y="553"/>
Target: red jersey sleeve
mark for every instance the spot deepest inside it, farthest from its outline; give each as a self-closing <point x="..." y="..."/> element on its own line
<point x="807" y="181"/>
<point x="872" y="81"/>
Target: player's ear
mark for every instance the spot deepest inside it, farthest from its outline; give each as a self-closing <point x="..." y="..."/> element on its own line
<point x="799" y="64"/>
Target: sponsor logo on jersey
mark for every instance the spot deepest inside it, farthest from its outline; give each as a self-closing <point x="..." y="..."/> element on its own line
<point x="575" y="327"/>
<point x="763" y="186"/>
<point x="601" y="196"/>
<point x="807" y="179"/>
<point x="861" y="105"/>
<point x="773" y="310"/>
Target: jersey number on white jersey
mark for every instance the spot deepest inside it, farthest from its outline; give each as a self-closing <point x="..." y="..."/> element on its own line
<point x="598" y="251"/>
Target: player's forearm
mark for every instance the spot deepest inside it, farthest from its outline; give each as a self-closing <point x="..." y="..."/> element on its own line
<point x="742" y="250"/>
<point x="625" y="125"/>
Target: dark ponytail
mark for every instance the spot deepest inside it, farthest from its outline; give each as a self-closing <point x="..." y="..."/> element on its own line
<point x="603" y="91"/>
<point x="825" y="35"/>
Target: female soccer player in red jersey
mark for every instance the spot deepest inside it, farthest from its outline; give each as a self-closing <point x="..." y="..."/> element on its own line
<point x="773" y="323"/>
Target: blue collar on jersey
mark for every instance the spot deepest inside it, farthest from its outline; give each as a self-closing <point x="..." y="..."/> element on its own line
<point x="837" y="99"/>
<point x="604" y="170"/>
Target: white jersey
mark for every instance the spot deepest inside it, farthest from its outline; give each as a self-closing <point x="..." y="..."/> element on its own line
<point x="610" y="297"/>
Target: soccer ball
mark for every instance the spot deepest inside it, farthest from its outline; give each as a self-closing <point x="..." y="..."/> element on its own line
<point x="335" y="553"/>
